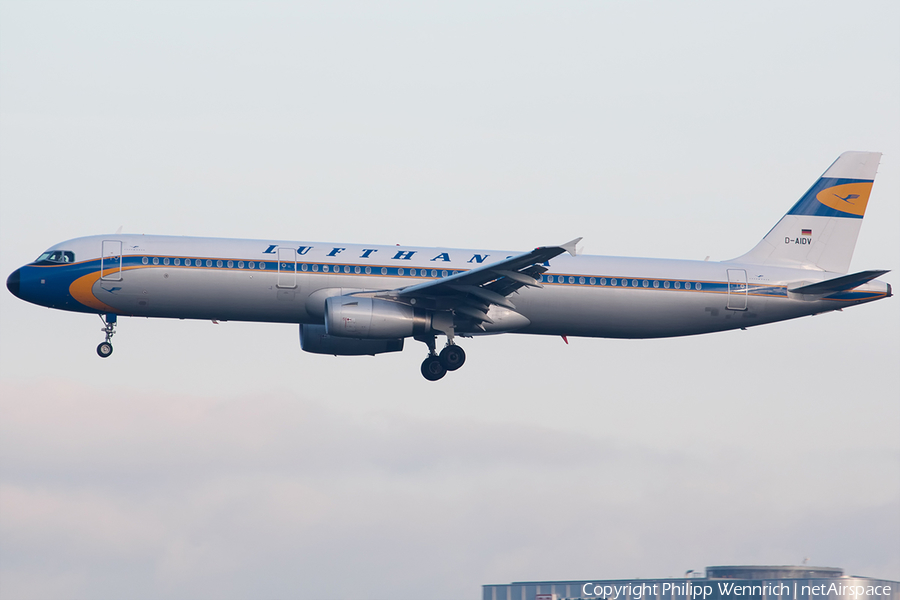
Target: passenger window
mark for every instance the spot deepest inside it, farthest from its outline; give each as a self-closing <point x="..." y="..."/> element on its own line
<point x="145" y="260"/>
<point x="155" y="260"/>
<point x="165" y="261"/>
<point x="177" y="262"/>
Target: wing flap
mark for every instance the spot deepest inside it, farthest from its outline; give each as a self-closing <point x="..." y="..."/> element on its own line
<point x="474" y="314"/>
<point x="484" y="294"/>
<point x="519" y="277"/>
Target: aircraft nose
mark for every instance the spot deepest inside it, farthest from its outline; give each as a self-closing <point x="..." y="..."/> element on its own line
<point x="12" y="282"/>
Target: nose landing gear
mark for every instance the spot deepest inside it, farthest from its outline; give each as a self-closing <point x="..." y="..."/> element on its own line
<point x="105" y="349"/>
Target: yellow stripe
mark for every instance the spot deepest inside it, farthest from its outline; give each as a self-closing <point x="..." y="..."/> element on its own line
<point x="82" y="290"/>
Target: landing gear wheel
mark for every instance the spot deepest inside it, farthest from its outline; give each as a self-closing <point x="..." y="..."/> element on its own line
<point x="432" y="369"/>
<point x="452" y="357"/>
<point x="109" y="328"/>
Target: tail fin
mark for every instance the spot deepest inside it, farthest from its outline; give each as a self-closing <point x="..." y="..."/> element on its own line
<point x="820" y="230"/>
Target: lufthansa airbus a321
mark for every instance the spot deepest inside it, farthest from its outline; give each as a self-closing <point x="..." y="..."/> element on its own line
<point x="361" y="299"/>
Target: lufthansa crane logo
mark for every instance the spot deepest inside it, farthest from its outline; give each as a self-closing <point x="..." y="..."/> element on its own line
<point x="850" y="198"/>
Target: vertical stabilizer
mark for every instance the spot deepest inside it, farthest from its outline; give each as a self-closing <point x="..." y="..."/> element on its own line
<point x="820" y="230"/>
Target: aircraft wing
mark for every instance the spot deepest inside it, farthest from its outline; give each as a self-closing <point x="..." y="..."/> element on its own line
<point x="471" y="293"/>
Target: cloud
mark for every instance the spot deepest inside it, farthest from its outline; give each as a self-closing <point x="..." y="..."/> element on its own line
<point x="118" y="490"/>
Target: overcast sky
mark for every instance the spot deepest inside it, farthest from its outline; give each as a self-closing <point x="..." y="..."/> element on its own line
<point x="220" y="461"/>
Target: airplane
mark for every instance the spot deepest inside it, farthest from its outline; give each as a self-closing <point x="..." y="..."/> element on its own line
<point x="366" y="299"/>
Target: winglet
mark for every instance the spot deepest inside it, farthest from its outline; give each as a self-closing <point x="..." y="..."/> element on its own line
<point x="570" y="246"/>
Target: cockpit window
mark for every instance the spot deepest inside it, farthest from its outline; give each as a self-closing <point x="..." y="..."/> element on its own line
<point x="56" y="257"/>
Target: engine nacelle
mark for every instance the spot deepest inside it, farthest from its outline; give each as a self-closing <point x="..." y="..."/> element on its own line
<point x="368" y="318"/>
<point x="314" y="339"/>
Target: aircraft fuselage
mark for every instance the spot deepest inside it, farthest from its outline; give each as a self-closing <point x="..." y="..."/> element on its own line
<point x="354" y="299"/>
<point x="264" y="280"/>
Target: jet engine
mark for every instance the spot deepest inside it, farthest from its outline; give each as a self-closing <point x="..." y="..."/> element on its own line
<point x="372" y="318"/>
<point x="314" y="339"/>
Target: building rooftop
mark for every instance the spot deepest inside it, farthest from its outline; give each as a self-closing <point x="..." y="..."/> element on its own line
<point x="771" y="572"/>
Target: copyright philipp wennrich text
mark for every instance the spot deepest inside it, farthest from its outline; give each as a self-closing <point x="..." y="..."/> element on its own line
<point x="726" y="588"/>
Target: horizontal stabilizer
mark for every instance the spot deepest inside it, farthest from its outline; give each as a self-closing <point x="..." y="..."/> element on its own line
<point x="838" y="284"/>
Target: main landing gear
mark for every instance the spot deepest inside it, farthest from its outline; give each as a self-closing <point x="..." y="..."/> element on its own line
<point x="105" y="349"/>
<point x="436" y="365"/>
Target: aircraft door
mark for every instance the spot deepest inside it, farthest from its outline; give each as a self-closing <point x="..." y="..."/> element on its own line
<point x="111" y="260"/>
<point x="737" y="289"/>
<point x="287" y="268"/>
